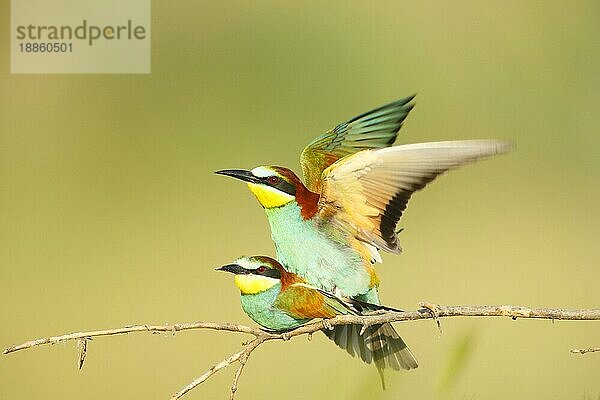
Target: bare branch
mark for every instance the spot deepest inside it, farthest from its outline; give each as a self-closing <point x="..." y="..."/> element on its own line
<point x="236" y="379"/>
<point x="240" y="356"/>
<point x="243" y="359"/>
<point x="136" y="328"/>
<point x="214" y="369"/>
<point x="585" y="351"/>
<point x="429" y="311"/>
<point x="82" y="347"/>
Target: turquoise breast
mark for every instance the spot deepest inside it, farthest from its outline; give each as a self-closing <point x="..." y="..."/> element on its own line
<point x="320" y="258"/>
<point x="260" y="308"/>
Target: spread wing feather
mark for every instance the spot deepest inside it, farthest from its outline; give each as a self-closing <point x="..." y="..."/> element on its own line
<point x="367" y="193"/>
<point x="372" y="130"/>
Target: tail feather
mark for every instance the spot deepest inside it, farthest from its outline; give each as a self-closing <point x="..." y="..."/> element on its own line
<point x="379" y="344"/>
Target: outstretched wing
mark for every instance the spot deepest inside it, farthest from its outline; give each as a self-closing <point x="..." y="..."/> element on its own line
<point x="372" y="130"/>
<point x="367" y="193"/>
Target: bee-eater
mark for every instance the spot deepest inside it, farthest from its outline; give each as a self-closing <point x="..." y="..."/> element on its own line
<point x="331" y="230"/>
<point x="280" y="300"/>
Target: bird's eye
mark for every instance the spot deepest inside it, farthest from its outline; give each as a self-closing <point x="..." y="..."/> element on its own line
<point x="273" y="180"/>
<point x="261" y="269"/>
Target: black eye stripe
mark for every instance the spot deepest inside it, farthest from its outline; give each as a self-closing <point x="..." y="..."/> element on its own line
<point x="282" y="185"/>
<point x="269" y="272"/>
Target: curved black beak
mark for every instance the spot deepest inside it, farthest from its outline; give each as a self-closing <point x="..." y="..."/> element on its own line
<point x="233" y="268"/>
<point x="240" y="174"/>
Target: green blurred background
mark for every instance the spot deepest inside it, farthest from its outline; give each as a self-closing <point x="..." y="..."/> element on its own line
<point x="111" y="214"/>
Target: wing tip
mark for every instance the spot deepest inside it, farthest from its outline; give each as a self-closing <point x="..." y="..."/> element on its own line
<point x="505" y="146"/>
<point x="404" y="104"/>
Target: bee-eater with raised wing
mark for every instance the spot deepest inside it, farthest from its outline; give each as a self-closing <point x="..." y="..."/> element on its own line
<point x="330" y="231"/>
<point x="280" y="300"/>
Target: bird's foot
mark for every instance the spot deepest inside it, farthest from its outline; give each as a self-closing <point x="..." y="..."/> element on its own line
<point x="364" y="328"/>
<point x="433" y="310"/>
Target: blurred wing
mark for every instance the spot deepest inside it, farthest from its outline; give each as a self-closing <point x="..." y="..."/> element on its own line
<point x="367" y="193"/>
<point x="303" y="301"/>
<point x="372" y="130"/>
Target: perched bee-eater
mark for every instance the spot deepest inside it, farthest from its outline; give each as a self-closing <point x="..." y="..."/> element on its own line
<point x="280" y="300"/>
<point x="329" y="230"/>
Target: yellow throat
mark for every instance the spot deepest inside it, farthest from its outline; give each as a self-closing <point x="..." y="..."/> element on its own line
<point x="269" y="197"/>
<point x="252" y="284"/>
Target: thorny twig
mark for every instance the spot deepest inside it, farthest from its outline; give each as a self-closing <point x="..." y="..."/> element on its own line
<point x="585" y="351"/>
